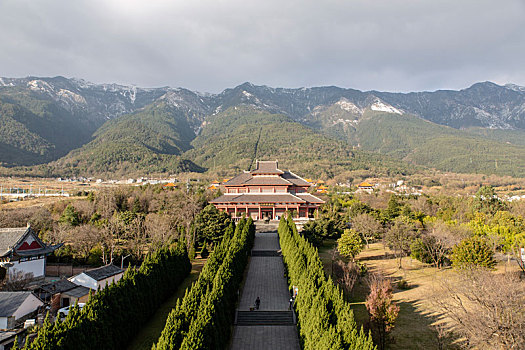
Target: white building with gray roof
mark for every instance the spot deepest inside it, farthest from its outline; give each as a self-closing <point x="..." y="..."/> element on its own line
<point x="15" y="306"/>
<point x="99" y="277"/>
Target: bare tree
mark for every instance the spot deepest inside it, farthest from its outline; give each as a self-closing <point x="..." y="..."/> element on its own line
<point x="488" y="309"/>
<point x="110" y="235"/>
<point x="158" y="228"/>
<point x="424" y="205"/>
<point x="367" y="226"/>
<point x="84" y="238"/>
<point x="400" y="236"/>
<point x="346" y="275"/>
<point x="137" y="239"/>
<point x="16" y="280"/>
<point x="106" y="203"/>
<point x="439" y="241"/>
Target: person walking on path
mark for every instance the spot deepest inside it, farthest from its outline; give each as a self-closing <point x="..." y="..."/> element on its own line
<point x="257" y="303"/>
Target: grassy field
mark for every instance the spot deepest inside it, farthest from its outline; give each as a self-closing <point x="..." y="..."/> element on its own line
<point x="414" y="328"/>
<point x="151" y="332"/>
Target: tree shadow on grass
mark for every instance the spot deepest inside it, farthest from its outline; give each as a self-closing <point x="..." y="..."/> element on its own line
<point x="418" y="329"/>
<point x="414" y="328"/>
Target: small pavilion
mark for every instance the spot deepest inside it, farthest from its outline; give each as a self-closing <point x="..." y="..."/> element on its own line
<point x="267" y="193"/>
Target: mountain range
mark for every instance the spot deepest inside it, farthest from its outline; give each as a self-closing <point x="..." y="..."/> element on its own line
<point x="66" y="126"/>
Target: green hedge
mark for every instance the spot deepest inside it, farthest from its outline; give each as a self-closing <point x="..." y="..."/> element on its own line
<point x="113" y="316"/>
<point x="203" y="319"/>
<point x="325" y="319"/>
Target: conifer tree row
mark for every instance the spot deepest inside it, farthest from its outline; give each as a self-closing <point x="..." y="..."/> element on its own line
<point x="325" y="319"/>
<point x="202" y="320"/>
<point x="112" y="316"/>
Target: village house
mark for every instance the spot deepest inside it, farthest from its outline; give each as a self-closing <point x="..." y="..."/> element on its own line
<point x="22" y="251"/>
<point x="99" y="277"/>
<point x="267" y="193"/>
<point x="62" y="293"/>
<point x="16" y="306"/>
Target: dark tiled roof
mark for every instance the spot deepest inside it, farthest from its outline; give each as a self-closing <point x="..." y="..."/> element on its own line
<point x="258" y="198"/>
<point x="238" y="180"/>
<point x="77" y="292"/>
<point x="11" y="301"/>
<point x="310" y="198"/>
<point x="296" y="180"/>
<point x="12" y="237"/>
<point x="58" y="286"/>
<point x="267" y="167"/>
<point x="104" y="272"/>
<point x="9" y="237"/>
<point x="267" y="180"/>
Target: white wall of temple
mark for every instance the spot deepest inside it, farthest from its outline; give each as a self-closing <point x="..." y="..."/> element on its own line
<point x="37" y="267"/>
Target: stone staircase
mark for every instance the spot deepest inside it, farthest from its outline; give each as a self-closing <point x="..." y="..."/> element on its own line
<point x="264" y="318"/>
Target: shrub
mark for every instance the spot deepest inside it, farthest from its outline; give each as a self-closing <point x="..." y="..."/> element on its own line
<point x="382" y="309"/>
<point x="350" y="244"/>
<point x="403" y="284"/>
<point x="473" y="252"/>
<point x="419" y="251"/>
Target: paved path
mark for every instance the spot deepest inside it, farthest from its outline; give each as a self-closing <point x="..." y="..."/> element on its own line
<point x="265" y="279"/>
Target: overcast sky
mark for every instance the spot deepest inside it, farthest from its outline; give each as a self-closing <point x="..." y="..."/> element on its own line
<point x="209" y="45"/>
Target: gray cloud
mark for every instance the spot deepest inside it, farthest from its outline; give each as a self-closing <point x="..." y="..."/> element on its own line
<point x="208" y="45"/>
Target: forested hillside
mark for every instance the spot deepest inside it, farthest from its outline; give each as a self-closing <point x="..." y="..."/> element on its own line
<point x="150" y="140"/>
<point x="72" y="127"/>
<point x="236" y="137"/>
<point x="421" y="142"/>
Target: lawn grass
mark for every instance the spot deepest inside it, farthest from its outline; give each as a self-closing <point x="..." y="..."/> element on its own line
<point x="151" y="332"/>
<point x="414" y="325"/>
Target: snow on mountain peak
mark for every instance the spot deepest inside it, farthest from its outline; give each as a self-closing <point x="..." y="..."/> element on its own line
<point x="39" y="85"/>
<point x="67" y="95"/>
<point x="515" y="87"/>
<point x="383" y="107"/>
<point x="348" y="106"/>
<point x="3" y="83"/>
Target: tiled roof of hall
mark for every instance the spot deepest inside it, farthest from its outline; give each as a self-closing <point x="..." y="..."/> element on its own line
<point x="258" y="198"/>
<point x="267" y="180"/>
<point x="9" y="237"/>
<point x="310" y="198"/>
<point x="239" y="179"/>
<point x="295" y="179"/>
<point x="267" y="167"/>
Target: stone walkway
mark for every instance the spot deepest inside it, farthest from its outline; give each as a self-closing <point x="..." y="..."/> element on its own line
<point x="265" y="279"/>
